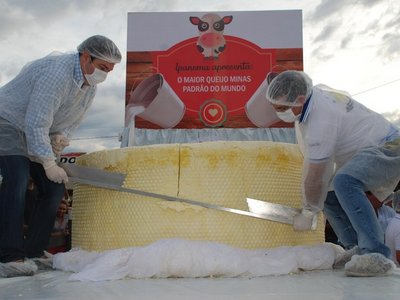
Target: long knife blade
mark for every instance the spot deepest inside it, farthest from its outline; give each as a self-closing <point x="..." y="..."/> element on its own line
<point x="281" y="213"/>
<point x="168" y="198"/>
<point x="75" y="171"/>
<point x="114" y="181"/>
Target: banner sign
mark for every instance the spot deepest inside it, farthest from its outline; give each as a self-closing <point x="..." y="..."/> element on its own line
<point x="207" y="70"/>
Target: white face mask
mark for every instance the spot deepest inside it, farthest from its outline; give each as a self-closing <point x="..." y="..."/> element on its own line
<point x="96" y="77"/>
<point x="287" y="116"/>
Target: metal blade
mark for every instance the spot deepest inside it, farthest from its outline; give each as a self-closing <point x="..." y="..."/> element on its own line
<point x="166" y="197"/>
<point x="276" y="212"/>
<point x="114" y="181"/>
<point x="117" y="187"/>
<point x="100" y="176"/>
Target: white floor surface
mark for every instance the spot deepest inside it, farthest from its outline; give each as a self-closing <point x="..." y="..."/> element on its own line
<point x="315" y="285"/>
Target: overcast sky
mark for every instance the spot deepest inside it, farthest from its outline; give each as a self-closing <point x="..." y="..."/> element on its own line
<point x="348" y="44"/>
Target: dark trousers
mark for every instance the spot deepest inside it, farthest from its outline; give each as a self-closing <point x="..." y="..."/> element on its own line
<point x="15" y="171"/>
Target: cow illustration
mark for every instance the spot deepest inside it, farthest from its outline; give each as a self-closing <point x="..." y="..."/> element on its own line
<point x="211" y="41"/>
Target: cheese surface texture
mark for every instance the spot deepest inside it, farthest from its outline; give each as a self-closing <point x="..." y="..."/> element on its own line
<point x="221" y="173"/>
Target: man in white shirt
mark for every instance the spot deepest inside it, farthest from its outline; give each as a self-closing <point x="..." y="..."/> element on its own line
<point x="357" y="149"/>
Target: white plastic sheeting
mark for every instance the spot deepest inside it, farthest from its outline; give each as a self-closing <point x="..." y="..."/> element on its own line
<point x="190" y="259"/>
<point x="310" y="285"/>
<point x="143" y="136"/>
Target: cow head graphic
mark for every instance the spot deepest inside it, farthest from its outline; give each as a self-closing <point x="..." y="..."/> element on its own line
<point x="211" y="41"/>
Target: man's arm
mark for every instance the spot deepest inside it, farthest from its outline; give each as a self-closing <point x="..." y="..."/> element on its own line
<point x="316" y="179"/>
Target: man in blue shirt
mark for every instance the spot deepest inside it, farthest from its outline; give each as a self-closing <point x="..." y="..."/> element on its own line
<point x="39" y="110"/>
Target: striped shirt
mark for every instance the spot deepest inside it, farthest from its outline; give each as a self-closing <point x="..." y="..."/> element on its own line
<point x="46" y="97"/>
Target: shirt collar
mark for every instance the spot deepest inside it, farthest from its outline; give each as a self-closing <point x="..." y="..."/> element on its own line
<point x="306" y="109"/>
<point x="78" y="75"/>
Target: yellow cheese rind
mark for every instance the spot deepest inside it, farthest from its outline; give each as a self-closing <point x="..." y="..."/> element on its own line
<point x="222" y="173"/>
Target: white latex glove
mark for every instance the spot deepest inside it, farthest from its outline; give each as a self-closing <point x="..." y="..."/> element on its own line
<point x="303" y="221"/>
<point x="58" y="143"/>
<point x="54" y="172"/>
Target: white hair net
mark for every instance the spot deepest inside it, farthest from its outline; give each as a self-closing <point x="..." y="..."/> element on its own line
<point x="285" y="88"/>
<point x="101" y="47"/>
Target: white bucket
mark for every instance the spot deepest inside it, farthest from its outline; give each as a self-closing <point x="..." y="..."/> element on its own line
<point x="161" y="105"/>
<point x="258" y="109"/>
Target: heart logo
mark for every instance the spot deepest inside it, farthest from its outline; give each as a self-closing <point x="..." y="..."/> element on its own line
<point x="213" y="112"/>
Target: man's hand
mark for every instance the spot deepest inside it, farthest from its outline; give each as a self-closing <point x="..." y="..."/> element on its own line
<point x="58" y="143"/>
<point x="303" y="221"/>
<point x="54" y="172"/>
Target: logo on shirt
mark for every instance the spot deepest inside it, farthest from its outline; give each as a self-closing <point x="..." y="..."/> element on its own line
<point x="344" y="99"/>
<point x="349" y="105"/>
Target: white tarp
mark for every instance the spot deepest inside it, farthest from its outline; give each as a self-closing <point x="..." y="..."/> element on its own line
<point x="192" y="259"/>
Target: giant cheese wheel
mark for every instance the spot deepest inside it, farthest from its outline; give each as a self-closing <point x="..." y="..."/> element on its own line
<point x="221" y="173"/>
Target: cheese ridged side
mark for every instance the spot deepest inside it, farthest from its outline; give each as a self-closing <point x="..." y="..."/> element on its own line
<point x="222" y="173"/>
